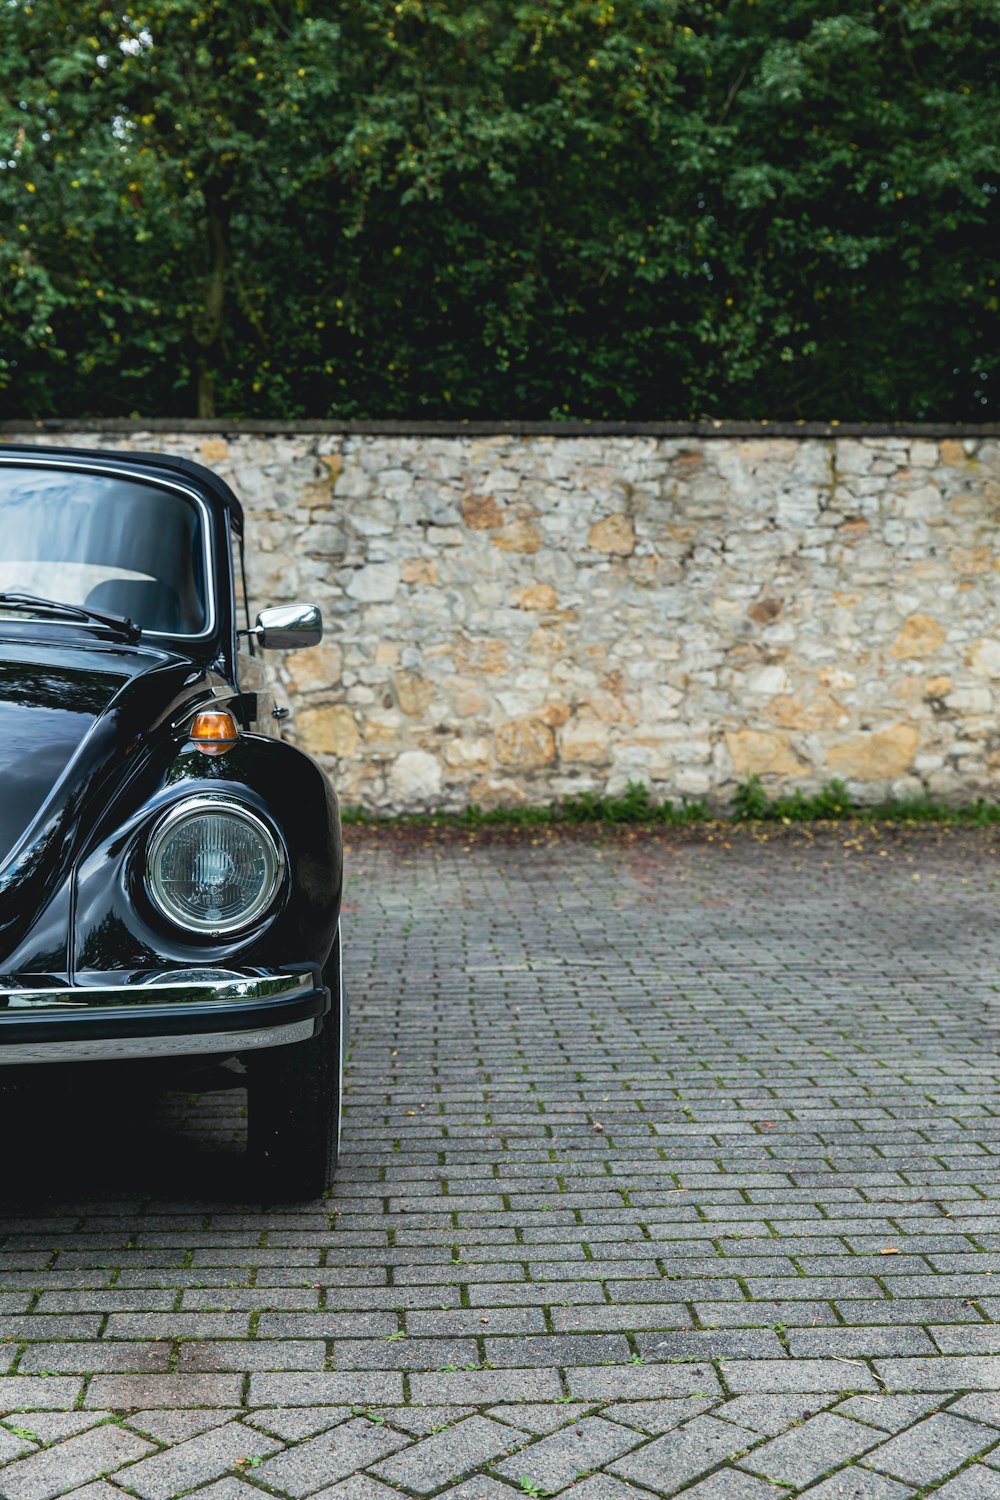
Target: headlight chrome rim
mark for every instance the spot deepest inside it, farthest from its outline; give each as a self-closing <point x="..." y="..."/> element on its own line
<point x="200" y="806"/>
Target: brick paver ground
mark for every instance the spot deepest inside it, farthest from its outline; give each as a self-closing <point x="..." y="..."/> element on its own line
<point x="670" y="1168"/>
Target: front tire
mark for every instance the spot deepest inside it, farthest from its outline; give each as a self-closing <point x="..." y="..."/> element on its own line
<point x="295" y="1097"/>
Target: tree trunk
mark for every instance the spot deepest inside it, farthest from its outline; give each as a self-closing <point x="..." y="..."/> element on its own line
<point x="210" y="322"/>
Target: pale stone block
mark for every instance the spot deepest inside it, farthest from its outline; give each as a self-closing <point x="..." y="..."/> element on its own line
<point x="584" y="739"/>
<point x="690" y="782"/>
<point x="767" y="681"/>
<point x="377" y="581"/>
<point x="970" y="700"/>
<point x="415" y="777"/>
<point x="984" y="657"/>
<point x="659" y="702"/>
<point x="468" y="755"/>
<point x="850" y="457"/>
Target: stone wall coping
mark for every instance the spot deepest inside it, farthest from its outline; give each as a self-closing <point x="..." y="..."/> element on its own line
<point x="419" y="428"/>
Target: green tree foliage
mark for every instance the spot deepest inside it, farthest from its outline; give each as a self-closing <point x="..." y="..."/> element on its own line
<point x="485" y="208"/>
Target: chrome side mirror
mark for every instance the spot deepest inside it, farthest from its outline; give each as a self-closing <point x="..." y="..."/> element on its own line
<point x="287" y="626"/>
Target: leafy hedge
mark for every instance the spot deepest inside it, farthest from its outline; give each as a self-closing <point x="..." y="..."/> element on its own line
<point x="469" y="208"/>
<point x="751" y="804"/>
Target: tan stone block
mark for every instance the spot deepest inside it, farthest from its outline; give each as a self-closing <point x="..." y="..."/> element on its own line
<point x="328" y="730"/>
<point x="972" y="559"/>
<point x="952" y="452"/>
<point x="852" y="527"/>
<point x="757" y="752"/>
<point x="801" y="711"/>
<point x="686" y="462"/>
<point x="883" y="754"/>
<point x="519" y="536"/>
<point x="214" y="450"/>
<point x="937" y="687"/>
<point x="314" y="669"/>
<point x="481" y="512"/>
<point x="387" y="653"/>
<point x="765" y="611"/>
<point x="467" y="701"/>
<point x="526" y="743"/>
<point x="316" y="494"/>
<point x="555" y="714"/>
<point x="609" y="708"/>
<point x="922" y="635"/>
<point x="614" y="535"/>
<point x="546" y="642"/>
<point x="613" y="681"/>
<point x="586" y="740"/>
<point x="537" y="596"/>
<point x="413" y="692"/>
<point x="490" y="793"/>
<point x="480" y="656"/>
<point x="908" y="689"/>
<point x="420" y="570"/>
<point x="333" y="462"/>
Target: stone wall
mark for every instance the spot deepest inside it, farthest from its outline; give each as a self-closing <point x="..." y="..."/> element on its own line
<point x="513" y="618"/>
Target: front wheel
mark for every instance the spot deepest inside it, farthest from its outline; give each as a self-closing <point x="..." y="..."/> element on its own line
<point x="294" y="1096"/>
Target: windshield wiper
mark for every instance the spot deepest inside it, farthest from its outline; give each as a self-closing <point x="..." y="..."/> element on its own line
<point x="126" y="628"/>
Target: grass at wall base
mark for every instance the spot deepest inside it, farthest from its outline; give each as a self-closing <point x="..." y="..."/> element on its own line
<point x="750" y="804"/>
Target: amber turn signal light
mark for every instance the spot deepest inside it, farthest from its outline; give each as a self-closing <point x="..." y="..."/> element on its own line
<point x="214" y="734"/>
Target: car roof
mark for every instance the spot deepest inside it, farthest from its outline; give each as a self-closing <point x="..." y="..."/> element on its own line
<point x="144" y="465"/>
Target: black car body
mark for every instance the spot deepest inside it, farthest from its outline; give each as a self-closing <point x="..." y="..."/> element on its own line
<point x="169" y="893"/>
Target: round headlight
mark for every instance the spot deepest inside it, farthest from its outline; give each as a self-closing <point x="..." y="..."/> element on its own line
<point x="212" y="865"/>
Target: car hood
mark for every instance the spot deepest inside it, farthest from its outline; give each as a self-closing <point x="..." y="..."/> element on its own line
<point x="70" y="717"/>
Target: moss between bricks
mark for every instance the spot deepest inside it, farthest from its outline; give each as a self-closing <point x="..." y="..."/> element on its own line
<point x="750" y="804"/>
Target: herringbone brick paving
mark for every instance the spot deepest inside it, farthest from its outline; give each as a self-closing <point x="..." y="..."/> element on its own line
<point x="670" y="1168"/>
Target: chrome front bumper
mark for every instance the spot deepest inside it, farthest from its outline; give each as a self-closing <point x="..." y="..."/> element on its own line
<point x="160" y="1017"/>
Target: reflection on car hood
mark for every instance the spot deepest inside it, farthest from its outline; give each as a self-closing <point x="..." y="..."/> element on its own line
<point x="68" y="715"/>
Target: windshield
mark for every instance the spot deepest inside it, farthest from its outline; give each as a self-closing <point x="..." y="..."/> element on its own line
<point x="106" y="543"/>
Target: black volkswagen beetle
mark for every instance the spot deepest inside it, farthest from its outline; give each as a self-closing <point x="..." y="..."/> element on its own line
<point x="170" y="870"/>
